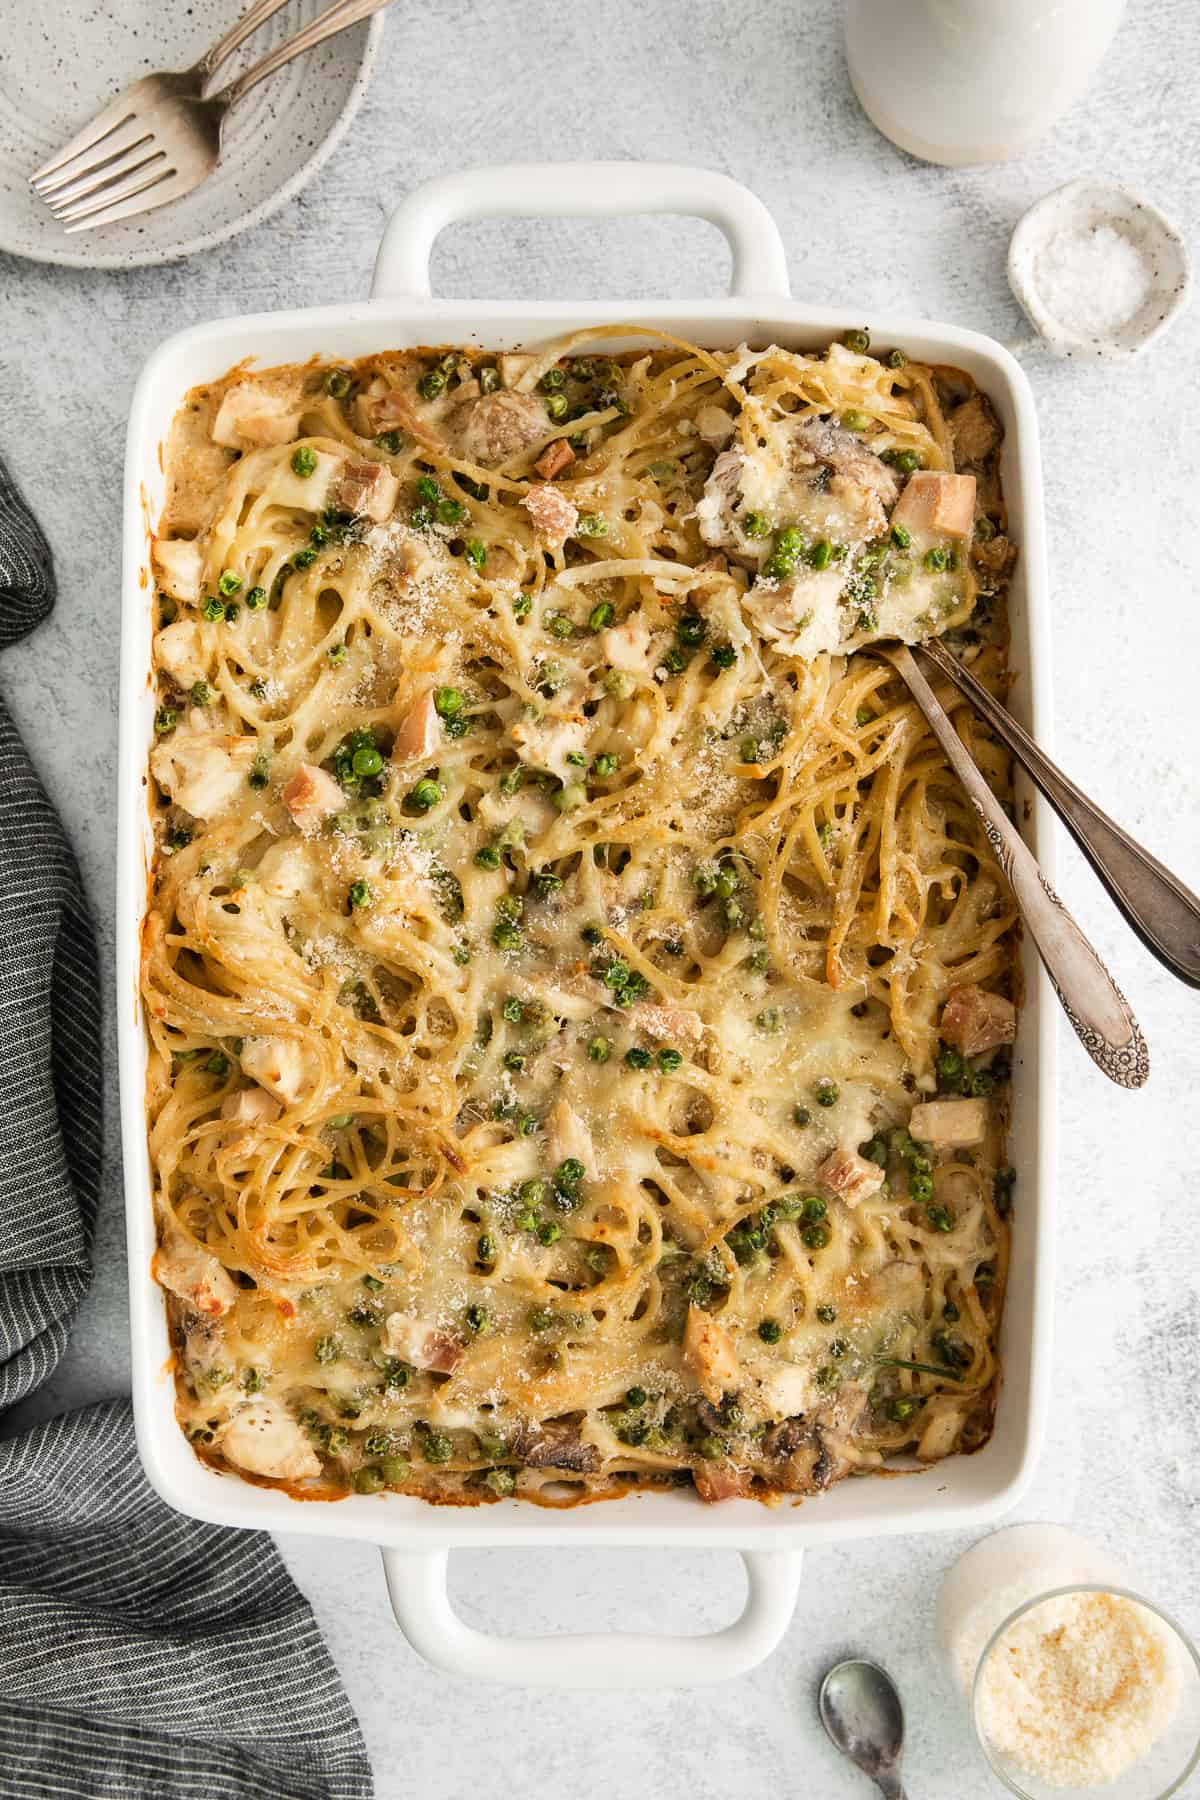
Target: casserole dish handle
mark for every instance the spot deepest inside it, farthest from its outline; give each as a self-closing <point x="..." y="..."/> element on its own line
<point x="417" y="1584"/>
<point x="529" y="189"/>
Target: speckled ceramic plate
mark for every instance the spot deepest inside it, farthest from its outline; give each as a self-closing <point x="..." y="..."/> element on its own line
<point x="65" y="59"/>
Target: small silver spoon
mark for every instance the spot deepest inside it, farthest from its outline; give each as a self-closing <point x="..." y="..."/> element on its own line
<point x="863" y="1716"/>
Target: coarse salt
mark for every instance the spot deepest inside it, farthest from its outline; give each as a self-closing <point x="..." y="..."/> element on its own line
<point x="1079" y="1688"/>
<point x="1093" y="281"/>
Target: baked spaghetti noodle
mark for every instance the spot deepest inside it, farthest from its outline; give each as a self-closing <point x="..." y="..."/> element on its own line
<point x="579" y="993"/>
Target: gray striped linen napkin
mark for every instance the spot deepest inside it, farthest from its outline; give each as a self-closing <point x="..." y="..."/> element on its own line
<point x="143" y="1656"/>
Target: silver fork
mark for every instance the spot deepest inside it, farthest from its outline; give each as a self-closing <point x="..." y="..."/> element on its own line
<point x="160" y="151"/>
<point x="169" y="84"/>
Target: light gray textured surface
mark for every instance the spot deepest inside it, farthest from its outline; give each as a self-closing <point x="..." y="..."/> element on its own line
<point x="756" y="88"/>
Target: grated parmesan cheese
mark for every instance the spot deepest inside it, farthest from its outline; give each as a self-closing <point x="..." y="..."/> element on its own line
<point x="1079" y="1689"/>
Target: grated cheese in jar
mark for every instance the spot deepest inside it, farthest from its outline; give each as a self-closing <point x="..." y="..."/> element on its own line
<point x="1079" y="1689"/>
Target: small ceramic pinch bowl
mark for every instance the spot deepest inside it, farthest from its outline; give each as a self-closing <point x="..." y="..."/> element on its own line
<point x="1100" y="234"/>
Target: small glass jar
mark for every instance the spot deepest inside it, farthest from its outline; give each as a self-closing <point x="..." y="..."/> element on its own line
<point x="1000" y="1582"/>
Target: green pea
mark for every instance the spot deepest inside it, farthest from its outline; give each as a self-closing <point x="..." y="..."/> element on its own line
<point x="770" y="1330"/>
<point x="369" y="1480"/>
<point x="229" y="583"/>
<point x="669" y="1060"/>
<point x="395" y="1469"/>
<point x="256" y="599"/>
<point x="475" y="552"/>
<point x="858" y="341"/>
<point x="756" y="525"/>
<point x="338" y="382"/>
<point x="391" y="441"/>
<point x="901" y="1408"/>
<point x="605" y="764"/>
<point x="437" y="1447"/>
<point x="327" y="1349"/>
<point x="431" y="384"/>
<point x="896" y="359"/>
<point x="366" y="761"/>
<point x="801" y="1116"/>
<point x="690" y="628"/>
<point x="901" y="536"/>
<point x="165" y="720"/>
<point x="478" y="1319"/>
<point x="500" y="1481"/>
<point x="591" y="525"/>
<point x="636" y="1396"/>
<point x="557" y="406"/>
<point x="487" y="858"/>
<point x="937" y="559"/>
<point x="853" y="420"/>
<point x="552" y="380"/>
<point x="212" y="609"/>
<point x="815" y="1237"/>
<point x="637" y="1058"/>
<point x="549" y="1231"/>
<point x="826" y="1093"/>
<point x="359" y="895"/>
<point x="542" y="1319"/>
<point x="723" y="656"/>
<point x="569" y="1173"/>
<point x="711" y="1448"/>
<point x="426" y="793"/>
<point x="558" y="625"/>
<point x="940" y="1218"/>
<point x="601" y="615"/>
<point x="507" y="936"/>
<point x="827" y="1314"/>
<point x="304" y="460"/>
<point x="599" y="1049"/>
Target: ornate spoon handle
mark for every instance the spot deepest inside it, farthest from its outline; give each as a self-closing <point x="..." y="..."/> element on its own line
<point x="1164" y="913"/>
<point x="1090" y="997"/>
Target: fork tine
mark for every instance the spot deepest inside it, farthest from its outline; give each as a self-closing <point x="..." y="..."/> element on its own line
<point x="118" y="112"/>
<point x="155" y="193"/>
<point x="111" y="169"/>
<point x="107" y="193"/>
<point x="122" y="137"/>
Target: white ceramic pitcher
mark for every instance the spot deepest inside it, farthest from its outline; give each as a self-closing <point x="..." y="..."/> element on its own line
<point x="973" y="81"/>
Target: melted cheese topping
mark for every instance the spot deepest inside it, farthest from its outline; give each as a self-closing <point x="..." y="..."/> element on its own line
<point x="548" y="938"/>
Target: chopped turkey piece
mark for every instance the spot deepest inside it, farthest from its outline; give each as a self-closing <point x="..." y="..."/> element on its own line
<point x="554" y="459"/>
<point x="194" y="1274"/>
<point x="367" y="489"/>
<point x="177" y="566"/>
<point x="554" y="516"/>
<point x="936" y="501"/>
<point x="949" y="1124"/>
<point x="180" y="651"/>
<point x="669" y="1024"/>
<point x="851" y="1176"/>
<point x="419" y="732"/>
<point x="974" y="1021"/>
<point x="939" y="1436"/>
<point x="286" y="870"/>
<point x="496" y="426"/>
<point x="513" y="365"/>
<point x="547" y="743"/>
<point x="277" y="1064"/>
<point x="384" y="412"/>
<point x="202" y="771"/>
<point x="264" y="1439"/>
<point x="570" y="1137"/>
<point x="709" y="1356"/>
<point x="312" y="796"/>
<point x="250" y="1106"/>
<point x="250" y="416"/>
<point x="714" y="424"/>
<point x="627" y="646"/>
<point x="720" y="1481"/>
<point x="717" y="504"/>
<point x="420" y="1343"/>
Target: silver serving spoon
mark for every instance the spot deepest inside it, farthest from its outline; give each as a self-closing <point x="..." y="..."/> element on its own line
<point x="862" y="1713"/>
<point x="1164" y="913"/>
<point x="1091" y="999"/>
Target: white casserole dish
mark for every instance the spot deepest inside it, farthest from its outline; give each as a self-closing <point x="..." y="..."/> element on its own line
<point x="415" y="1537"/>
